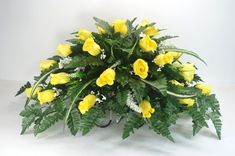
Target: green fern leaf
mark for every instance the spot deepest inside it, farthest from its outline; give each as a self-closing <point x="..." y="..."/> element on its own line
<point x="215" y="118"/>
<point x="74" y="121"/>
<point x="161" y="127"/>
<point x="133" y="122"/>
<point x="47" y="122"/>
<point x="198" y="120"/>
<point x="89" y="119"/>
<point x="22" y="89"/>
<point x="26" y="122"/>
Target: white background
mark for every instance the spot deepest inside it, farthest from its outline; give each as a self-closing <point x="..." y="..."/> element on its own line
<point x="30" y="31"/>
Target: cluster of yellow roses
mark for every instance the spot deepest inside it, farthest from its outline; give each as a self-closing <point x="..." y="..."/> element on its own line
<point x="140" y="67"/>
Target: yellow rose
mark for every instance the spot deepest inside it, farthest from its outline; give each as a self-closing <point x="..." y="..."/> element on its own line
<point x="151" y="30"/>
<point x="147" y="44"/>
<point x="28" y="91"/>
<point x="187" y="71"/>
<point x="91" y="47"/>
<point x="59" y="78"/>
<point x="163" y="59"/>
<point x="189" y="102"/>
<point x="120" y="26"/>
<point x="87" y="103"/>
<point x="174" y="82"/>
<point x="176" y="55"/>
<point x="46" y="96"/>
<point x="146" y="109"/>
<point x="100" y="30"/>
<point x="206" y="88"/>
<point x="64" y="49"/>
<point x="141" y="68"/>
<point x="107" y="77"/>
<point x="83" y="34"/>
<point x="46" y="64"/>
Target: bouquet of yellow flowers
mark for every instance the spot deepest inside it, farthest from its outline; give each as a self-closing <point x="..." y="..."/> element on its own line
<point x="123" y="71"/>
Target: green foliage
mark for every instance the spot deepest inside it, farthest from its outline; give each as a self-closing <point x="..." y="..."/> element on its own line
<point x="133" y="122"/>
<point x="173" y="48"/>
<point x="89" y="119"/>
<point x="103" y="24"/>
<point x="22" y="89"/>
<point x="83" y="60"/>
<point x="74" y="121"/>
<point x="171" y="72"/>
<point x="160" y="127"/>
<point x="138" y="89"/>
<point x="198" y="120"/>
<point x="121" y="97"/>
<point x="164" y="38"/>
<point x="47" y="122"/>
<point x="26" y="122"/>
<point x="160" y="84"/>
<point x="215" y="118"/>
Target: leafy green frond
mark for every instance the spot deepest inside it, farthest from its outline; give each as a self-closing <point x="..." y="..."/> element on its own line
<point x="198" y="120"/>
<point x="173" y="48"/>
<point x="22" y="89"/>
<point x="160" y="84"/>
<point x="133" y="122"/>
<point x="164" y="38"/>
<point x="73" y="121"/>
<point x="215" y="118"/>
<point x="26" y="122"/>
<point x="121" y="97"/>
<point x="82" y="61"/>
<point x="138" y="89"/>
<point x="89" y="119"/>
<point x="103" y="24"/>
<point x="160" y="127"/>
<point x="47" y="122"/>
<point x="31" y="109"/>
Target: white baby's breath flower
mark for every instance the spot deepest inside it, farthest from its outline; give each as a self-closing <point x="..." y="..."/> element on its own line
<point x="64" y="61"/>
<point x="132" y="104"/>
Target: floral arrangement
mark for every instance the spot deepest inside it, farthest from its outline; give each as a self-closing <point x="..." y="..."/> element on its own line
<point x="125" y="73"/>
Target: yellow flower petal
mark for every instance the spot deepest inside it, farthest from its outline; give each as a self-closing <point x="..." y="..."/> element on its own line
<point x="87" y="103"/>
<point x="120" y="26"/>
<point x="59" y="78"/>
<point x="106" y="78"/>
<point x="147" y="44"/>
<point x="205" y="88"/>
<point x="83" y="34"/>
<point x="64" y="49"/>
<point x="46" y="96"/>
<point x="91" y="47"/>
<point x="141" y="68"/>
<point x="146" y="109"/>
<point x="46" y="64"/>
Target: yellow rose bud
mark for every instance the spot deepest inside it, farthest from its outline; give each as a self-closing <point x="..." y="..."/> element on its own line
<point x="189" y="102"/>
<point x="163" y="59"/>
<point x="87" y="103"/>
<point x="174" y="82"/>
<point x="59" y="78"/>
<point x="120" y="26"/>
<point x="187" y="71"/>
<point x="147" y="44"/>
<point x="100" y="30"/>
<point x="176" y="55"/>
<point x="46" y="64"/>
<point x="106" y="78"/>
<point x="83" y="34"/>
<point x="141" y="68"/>
<point x="146" y="109"/>
<point x="150" y="31"/>
<point x="28" y="91"/>
<point x="64" y="49"/>
<point x="46" y="96"/>
<point x="205" y="88"/>
<point x="91" y="47"/>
